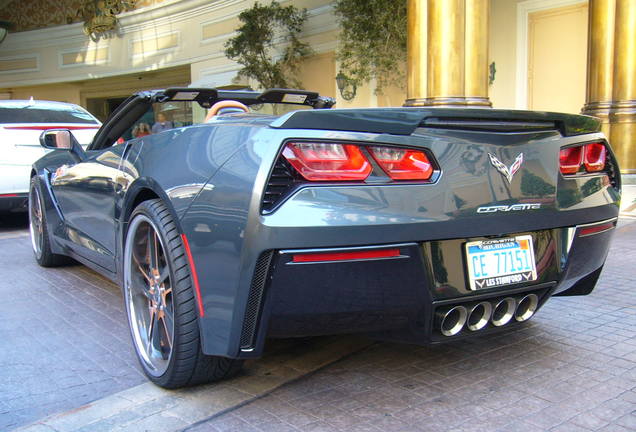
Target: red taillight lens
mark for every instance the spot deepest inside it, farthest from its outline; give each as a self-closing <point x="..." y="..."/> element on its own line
<point x="346" y="256"/>
<point x="328" y="161"/>
<point x="403" y="164"/>
<point x="570" y="159"/>
<point x="592" y="156"/>
<point x="594" y="159"/>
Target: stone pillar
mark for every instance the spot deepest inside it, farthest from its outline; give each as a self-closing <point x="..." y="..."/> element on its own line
<point x="611" y="75"/>
<point x="456" y="55"/>
<point x="416" y="52"/>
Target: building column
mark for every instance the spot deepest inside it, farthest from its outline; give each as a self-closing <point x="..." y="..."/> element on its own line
<point x="451" y="68"/>
<point x="611" y="75"/>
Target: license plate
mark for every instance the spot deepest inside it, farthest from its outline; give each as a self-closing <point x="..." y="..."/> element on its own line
<point x="500" y="262"/>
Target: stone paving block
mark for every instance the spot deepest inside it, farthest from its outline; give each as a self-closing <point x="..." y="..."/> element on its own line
<point x="573" y="367"/>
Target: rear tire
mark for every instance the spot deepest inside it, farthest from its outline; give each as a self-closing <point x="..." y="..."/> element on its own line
<point x="39" y="230"/>
<point x="160" y="303"/>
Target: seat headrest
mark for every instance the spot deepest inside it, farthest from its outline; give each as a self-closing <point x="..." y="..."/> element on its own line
<point x="220" y="106"/>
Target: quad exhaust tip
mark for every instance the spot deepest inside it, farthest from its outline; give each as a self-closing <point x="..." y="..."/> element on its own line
<point x="479" y="316"/>
<point x="453" y="320"/>
<point x="527" y="307"/>
<point x="503" y="311"/>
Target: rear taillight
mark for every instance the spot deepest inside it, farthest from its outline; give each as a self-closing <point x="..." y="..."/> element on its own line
<point x="594" y="158"/>
<point x="403" y="164"/>
<point x="591" y="156"/>
<point x="328" y="161"/>
<point x="570" y="159"/>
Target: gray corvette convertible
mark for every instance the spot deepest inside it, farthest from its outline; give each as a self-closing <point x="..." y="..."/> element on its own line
<point x="247" y="215"/>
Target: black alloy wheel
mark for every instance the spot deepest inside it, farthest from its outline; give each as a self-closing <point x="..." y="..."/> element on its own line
<point x="38" y="229"/>
<point x="160" y="303"/>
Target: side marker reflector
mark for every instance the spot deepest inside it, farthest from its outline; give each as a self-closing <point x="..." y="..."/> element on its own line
<point x="195" y="278"/>
<point x="595" y="229"/>
<point x="346" y="256"/>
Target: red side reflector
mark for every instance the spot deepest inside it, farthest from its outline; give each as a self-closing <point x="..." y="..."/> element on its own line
<point x="595" y="154"/>
<point x="328" y="161"/>
<point x="570" y="159"/>
<point x="403" y="164"/>
<point x="595" y="229"/>
<point x="8" y="195"/>
<point x="346" y="256"/>
<point x="50" y="127"/>
<point x="195" y="278"/>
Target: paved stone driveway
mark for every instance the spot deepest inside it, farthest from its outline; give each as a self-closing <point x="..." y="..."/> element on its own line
<point x="63" y="335"/>
<point x="64" y="342"/>
<point x="573" y="368"/>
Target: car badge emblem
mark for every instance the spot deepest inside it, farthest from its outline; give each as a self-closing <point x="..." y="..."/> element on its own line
<point x="507" y="172"/>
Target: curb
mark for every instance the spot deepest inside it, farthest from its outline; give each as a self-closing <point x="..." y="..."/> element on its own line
<point x="147" y="407"/>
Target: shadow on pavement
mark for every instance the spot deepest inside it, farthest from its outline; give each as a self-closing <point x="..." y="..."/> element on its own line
<point x="13" y="221"/>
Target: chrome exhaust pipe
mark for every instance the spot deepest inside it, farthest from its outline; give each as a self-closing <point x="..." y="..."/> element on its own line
<point x="479" y="315"/>
<point x="453" y="320"/>
<point x="527" y="307"/>
<point x="503" y="311"/>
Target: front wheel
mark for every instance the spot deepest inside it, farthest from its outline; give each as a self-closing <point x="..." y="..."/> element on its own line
<point x="160" y="303"/>
<point x="39" y="230"/>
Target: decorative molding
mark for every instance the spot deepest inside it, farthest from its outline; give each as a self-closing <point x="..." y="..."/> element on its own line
<point x="157" y="40"/>
<point x="13" y="65"/>
<point x="524" y="9"/>
<point x="214" y="22"/>
<point x="147" y="18"/>
<point x="171" y="14"/>
<point x="86" y="52"/>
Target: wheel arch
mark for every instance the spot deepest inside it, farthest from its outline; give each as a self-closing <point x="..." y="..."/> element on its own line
<point x="142" y="189"/>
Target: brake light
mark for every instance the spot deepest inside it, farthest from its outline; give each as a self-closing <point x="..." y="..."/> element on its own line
<point x="570" y="159"/>
<point x="346" y="256"/>
<point x="596" y="229"/>
<point x="328" y="161"/>
<point x="592" y="156"/>
<point x="403" y="164"/>
<point x="594" y="159"/>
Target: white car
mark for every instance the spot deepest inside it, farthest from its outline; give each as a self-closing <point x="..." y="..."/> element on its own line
<point x="21" y="123"/>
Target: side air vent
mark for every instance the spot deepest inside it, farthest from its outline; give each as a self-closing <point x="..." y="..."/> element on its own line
<point x="612" y="172"/>
<point x="281" y="181"/>
<point x="488" y="125"/>
<point x="255" y="299"/>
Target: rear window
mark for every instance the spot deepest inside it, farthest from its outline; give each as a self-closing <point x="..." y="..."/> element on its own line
<point x="35" y="114"/>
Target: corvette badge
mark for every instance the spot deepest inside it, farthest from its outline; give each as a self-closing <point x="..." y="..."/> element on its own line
<point x="507" y="172"/>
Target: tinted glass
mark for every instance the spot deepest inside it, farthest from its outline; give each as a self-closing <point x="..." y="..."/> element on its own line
<point x="37" y="114"/>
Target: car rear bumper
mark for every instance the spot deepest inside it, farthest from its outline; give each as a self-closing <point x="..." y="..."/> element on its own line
<point x="404" y="297"/>
<point x="14" y="202"/>
<point x="15" y="179"/>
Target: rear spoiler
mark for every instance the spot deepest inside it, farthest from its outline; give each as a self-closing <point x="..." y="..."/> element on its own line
<point x="404" y="121"/>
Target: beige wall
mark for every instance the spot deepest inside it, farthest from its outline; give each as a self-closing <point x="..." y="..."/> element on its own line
<point x="557" y="59"/>
<point x="502" y="50"/>
<point x="173" y="36"/>
<point x="59" y="92"/>
<point x="318" y="74"/>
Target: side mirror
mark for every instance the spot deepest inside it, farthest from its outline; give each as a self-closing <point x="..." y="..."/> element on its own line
<point x="61" y="139"/>
<point x="54" y="139"/>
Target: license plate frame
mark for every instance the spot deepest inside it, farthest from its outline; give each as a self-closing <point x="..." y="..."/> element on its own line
<point x="485" y="259"/>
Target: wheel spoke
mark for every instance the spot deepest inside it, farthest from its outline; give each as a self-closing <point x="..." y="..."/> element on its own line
<point x="163" y="276"/>
<point x="150" y="300"/>
<point x="150" y="249"/>
<point x="155" y="251"/>
<point x="168" y="334"/>
<point x="151" y="330"/>
<point x="140" y="268"/>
